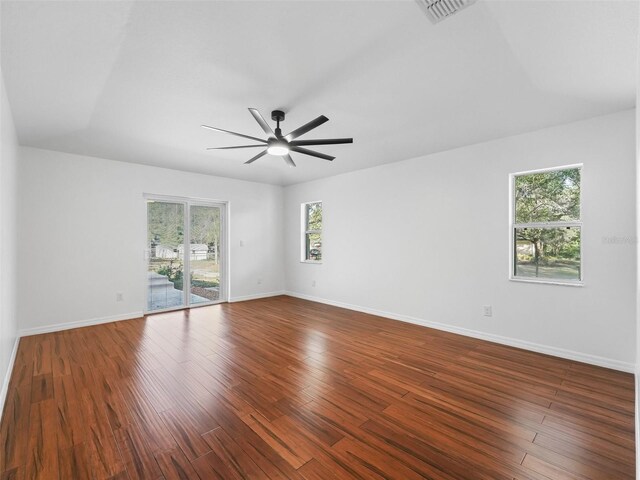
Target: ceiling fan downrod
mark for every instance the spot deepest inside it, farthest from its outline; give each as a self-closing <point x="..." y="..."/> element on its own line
<point x="278" y="116"/>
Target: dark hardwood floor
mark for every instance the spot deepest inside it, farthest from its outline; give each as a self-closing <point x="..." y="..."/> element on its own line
<point x="287" y="389"/>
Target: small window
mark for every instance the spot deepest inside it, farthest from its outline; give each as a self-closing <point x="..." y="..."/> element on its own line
<point x="312" y="232"/>
<point x="546" y="226"/>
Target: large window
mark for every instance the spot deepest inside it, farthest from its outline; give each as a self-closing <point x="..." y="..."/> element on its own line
<point x="546" y="226"/>
<point x="312" y="232"/>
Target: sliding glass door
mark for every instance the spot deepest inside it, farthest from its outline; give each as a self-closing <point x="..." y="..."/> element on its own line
<point x="165" y="269"/>
<point x="205" y="230"/>
<point x="179" y="277"/>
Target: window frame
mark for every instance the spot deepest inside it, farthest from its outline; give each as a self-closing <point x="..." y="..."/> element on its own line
<point x="557" y="224"/>
<point x="304" y="224"/>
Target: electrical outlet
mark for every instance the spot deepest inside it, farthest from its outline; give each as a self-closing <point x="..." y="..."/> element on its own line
<point x="313" y="283"/>
<point x="119" y="297"/>
<point x="487" y="310"/>
<point x="242" y="243"/>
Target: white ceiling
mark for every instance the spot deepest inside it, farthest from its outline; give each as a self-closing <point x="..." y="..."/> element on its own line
<point x="133" y="81"/>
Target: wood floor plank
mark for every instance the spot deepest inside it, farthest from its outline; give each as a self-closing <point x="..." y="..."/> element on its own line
<point x="146" y="418"/>
<point x="121" y="476"/>
<point x="42" y="387"/>
<point x="42" y="461"/>
<point x="472" y="437"/>
<point x="13" y="474"/>
<point x="287" y="442"/>
<point x="435" y="407"/>
<point x="433" y="460"/>
<point x="577" y="426"/>
<point x="548" y="470"/>
<point x="212" y="467"/>
<point x="314" y="470"/>
<point x="369" y="463"/>
<point x="186" y="433"/>
<point x="14" y="428"/>
<point x="282" y="388"/>
<point x="71" y="428"/>
<point x="60" y="361"/>
<point x="42" y="359"/>
<point x="260" y="452"/>
<point x="137" y="453"/>
<point x="175" y="466"/>
<point x="74" y="462"/>
<point x="104" y="455"/>
<point x="586" y="454"/>
<point x="226" y="448"/>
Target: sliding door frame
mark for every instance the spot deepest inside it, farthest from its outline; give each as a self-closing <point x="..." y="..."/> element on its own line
<point x="223" y="268"/>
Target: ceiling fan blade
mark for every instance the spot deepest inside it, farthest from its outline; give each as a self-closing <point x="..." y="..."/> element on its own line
<point x="322" y="141"/>
<point x="306" y="127"/>
<point x="265" y="126"/>
<point x="289" y="160"/>
<point x="235" y="133"/>
<point x="306" y="151"/>
<point x="251" y="160"/>
<point x="229" y="148"/>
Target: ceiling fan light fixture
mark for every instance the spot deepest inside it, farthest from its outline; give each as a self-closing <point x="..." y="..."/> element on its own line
<point x="278" y="148"/>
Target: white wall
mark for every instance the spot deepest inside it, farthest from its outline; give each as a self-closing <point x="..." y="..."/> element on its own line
<point x="82" y="234"/>
<point x="427" y="240"/>
<point x="8" y="197"/>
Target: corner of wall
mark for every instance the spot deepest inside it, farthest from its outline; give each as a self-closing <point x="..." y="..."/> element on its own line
<point x="8" y="241"/>
<point x="637" y="372"/>
<point x="7" y="375"/>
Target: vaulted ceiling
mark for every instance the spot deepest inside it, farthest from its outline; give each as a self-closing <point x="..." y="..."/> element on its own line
<point x="133" y="81"/>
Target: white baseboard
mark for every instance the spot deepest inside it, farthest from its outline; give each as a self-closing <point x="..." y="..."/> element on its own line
<point x="82" y="323"/>
<point x="256" y="296"/>
<point x="512" y="342"/>
<point x="7" y="376"/>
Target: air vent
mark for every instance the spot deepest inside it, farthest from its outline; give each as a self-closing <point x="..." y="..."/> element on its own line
<point x="438" y="10"/>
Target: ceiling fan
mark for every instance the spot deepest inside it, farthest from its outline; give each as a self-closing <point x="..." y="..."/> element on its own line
<point x="281" y="145"/>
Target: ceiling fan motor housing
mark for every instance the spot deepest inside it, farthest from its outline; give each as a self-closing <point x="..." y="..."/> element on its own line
<point x="277" y="115"/>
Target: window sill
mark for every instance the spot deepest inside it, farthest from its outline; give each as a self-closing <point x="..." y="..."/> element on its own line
<point x="548" y="282"/>
<point x="317" y="262"/>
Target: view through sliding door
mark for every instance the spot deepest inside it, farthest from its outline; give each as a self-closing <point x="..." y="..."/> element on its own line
<point x="179" y="277"/>
<point x="204" y="237"/>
